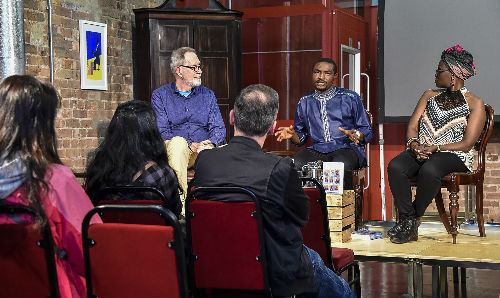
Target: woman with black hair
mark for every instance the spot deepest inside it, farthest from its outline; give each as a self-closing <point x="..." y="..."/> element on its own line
<point x="442" y="131"/>
<point x="133" y="153"/>
<point x="32" y="174"/>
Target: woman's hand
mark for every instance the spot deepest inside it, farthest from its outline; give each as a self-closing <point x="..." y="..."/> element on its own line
<point x="422" y="151"/>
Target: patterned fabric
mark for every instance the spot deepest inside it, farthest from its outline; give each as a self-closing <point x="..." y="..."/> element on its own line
<point x="165" y="180"/>
<point x="319" y="116"/>
<point x="323" y="99"/>
<point x="459" y="62"/>
<point x="438" y="126"/>
<point x="195" y="118"/>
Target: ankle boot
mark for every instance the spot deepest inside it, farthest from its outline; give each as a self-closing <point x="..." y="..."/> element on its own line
<point x="408" y="232"/>
<point x="395" y="229"/>
<point x="398" y="227"/>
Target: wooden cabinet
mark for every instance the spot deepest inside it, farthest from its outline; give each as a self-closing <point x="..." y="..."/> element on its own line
<point x="215" y="33"/>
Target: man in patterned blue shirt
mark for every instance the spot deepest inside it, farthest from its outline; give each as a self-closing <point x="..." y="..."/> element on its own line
<point x="335" y="120"/>
<point x="187" y="114"/>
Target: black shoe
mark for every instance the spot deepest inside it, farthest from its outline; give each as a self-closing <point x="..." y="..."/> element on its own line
<point x="398" y="227"/>
<point x="409" y="231"/>
<point x="395" y="229"/>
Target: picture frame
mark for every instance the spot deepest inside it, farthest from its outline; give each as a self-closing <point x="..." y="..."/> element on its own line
<point x="93" y="55"/>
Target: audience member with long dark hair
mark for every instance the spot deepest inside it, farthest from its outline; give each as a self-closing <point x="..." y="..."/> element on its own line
<point x="442" y="131"/>
<point x="32" y="174"/>
<point x="133" y="153"/>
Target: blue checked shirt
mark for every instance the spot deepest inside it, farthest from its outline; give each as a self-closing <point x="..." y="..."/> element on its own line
<point x="195" y="118"/>
<point x="319" y="116"/>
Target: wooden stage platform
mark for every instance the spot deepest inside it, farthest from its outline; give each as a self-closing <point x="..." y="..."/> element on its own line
<point x="434" y="248"/>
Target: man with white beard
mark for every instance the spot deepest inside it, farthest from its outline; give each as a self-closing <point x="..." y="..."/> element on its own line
<point x="187" y="114"/>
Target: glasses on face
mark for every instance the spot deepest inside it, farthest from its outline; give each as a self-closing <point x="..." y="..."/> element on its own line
<point x="193" y="68"/>
<point x="441" y="70"/>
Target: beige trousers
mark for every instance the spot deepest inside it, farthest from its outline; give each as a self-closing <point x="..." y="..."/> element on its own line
<point x="180" y="159"/>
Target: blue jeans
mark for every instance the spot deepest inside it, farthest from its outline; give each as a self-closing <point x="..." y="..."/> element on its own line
<point x="328" y="284"/>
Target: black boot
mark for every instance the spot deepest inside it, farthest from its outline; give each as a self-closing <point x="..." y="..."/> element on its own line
<point x="395" y="229"/>
<point x="409" y="231"/>
<point x="398" y="227"/>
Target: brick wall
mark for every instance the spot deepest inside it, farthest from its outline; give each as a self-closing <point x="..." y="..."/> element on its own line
<point x="83" y="112"/>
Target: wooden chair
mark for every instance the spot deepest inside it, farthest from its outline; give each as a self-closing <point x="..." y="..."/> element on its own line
<point x="134" y="260"/>
<point x="358" y="182"/>
<point x="27" y="256"/>
<point x="453" y="181"/>
<point x="316" y="235"/>
<point x="118" y="195"/>
<point x="228" y="254"/>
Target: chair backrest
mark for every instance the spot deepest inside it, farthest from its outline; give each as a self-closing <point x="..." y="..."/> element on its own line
<point x="481" y="143"/>
<point x="118" y="192"/>
<point x="133" y="260"/>
<point x="227" y="243"/>
<point x="27" y="258"/>
<point x="316" y="234"/>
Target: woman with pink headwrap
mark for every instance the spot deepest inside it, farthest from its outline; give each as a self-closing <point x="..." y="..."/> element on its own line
<point x="442" y="131"/>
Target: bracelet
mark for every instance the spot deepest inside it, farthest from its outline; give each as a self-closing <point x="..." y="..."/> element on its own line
<point x="410" y="140"/>
<point x="438" y="148"/>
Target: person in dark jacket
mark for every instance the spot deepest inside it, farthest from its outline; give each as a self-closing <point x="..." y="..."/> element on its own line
<point x="293" y="267"/>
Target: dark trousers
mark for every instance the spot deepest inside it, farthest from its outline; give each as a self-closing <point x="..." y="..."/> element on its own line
<point x="429" y="173"/>
<point x="345" y="155"/>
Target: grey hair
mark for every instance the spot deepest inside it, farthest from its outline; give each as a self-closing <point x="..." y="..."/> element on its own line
<point x="177" y="57"/>
<point x="255" y="109"/>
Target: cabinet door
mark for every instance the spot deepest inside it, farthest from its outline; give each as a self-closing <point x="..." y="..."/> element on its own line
<point x="166" y="36"/>
<point x="219" y="46"/>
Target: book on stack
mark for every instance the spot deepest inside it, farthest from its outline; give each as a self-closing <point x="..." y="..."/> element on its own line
<point x="365" y="234"/>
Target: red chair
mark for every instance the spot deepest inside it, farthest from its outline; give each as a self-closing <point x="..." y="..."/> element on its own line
<point x="27" y="258"/>
<point x="227" y="242"/>
<point x="133" y="260"/>
<point x="316" y="235"/>
<point x="120" y="194"/>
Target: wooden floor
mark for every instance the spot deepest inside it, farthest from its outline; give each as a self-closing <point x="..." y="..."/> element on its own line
<point x="385" y="279"/>
<point x="389" y="280"/>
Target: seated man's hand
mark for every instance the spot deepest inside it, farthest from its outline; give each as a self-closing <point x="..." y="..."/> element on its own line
<point x="354" y="135"/>
<point x="284" y="133"/>
<point x="198" y="147"/>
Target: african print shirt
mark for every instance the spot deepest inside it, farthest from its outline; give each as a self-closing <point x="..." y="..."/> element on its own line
<point x="438" y="126"/>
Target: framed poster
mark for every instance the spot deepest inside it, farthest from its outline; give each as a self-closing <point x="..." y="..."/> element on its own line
<point x="93" y="55"/>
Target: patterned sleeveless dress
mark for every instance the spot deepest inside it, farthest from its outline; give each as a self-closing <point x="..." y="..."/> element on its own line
<point x="444" y="121"/>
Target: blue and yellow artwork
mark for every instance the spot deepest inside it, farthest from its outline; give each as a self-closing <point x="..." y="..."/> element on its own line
<point x="94" y="67"/>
